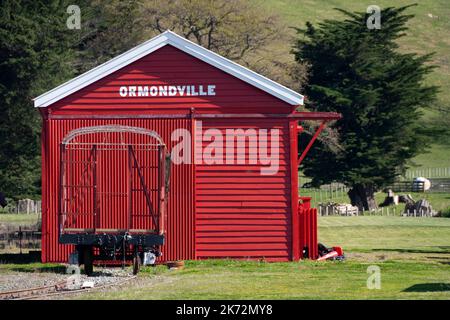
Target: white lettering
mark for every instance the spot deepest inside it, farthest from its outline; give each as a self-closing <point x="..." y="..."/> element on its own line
<point x="193" y="92"/>
<point x="153" y="91"/>
<point x="123" y="91"/>
<point x="162" y="90"/>
<point x="211" y="90"/>
<point x="132" y="91"/>
<point x="167" y="91"/>
<point x="181" y="90"/>
<point x="142" y="91"/>
<point x="172" y="91"/>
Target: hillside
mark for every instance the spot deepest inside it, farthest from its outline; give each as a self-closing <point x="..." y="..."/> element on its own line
<point x="428" y="32"/>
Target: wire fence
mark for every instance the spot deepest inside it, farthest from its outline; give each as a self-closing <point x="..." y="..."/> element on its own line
<point x="326" y="193"/>
<point x="326" y="209"/>
<point x="428" y="173"/>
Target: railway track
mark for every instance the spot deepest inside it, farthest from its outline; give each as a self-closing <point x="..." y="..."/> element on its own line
<point x="57" y="289"/>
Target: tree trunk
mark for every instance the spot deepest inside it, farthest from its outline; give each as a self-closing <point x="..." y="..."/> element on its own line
<point x="363" y="196"/>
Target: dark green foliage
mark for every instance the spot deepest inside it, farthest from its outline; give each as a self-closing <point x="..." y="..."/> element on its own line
<point x="34" y="57"/>
<point x="378" y="90"/>
<point x="109" y="28"/>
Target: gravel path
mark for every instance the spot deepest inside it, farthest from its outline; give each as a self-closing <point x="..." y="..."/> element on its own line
<point x="12" y="280"/>
<point x="23" y="280"/>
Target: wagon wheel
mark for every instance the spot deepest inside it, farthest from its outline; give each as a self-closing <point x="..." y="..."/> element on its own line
<point x="88" y="261"/>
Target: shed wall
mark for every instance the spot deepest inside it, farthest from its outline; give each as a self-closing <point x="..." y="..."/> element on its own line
<point x="180" y="222"/>
<point x="214" y="210"/>
<point x="241" y="213"/>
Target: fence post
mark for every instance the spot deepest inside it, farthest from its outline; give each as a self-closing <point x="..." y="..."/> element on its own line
<point x="20" y="239"/>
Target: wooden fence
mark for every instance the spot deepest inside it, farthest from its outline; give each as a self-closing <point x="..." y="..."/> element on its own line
<point x="13" y="239"/>
<point x="27" y="206"/>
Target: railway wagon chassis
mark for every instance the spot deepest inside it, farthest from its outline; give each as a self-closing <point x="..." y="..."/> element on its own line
<point x="113" y="167"/>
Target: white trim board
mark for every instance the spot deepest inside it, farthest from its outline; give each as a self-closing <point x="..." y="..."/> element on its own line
<point x="187" y="46"/>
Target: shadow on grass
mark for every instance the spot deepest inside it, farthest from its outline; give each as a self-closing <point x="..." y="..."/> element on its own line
<point x="443" y="250"/>
<point x="428" y="287"/>
<point x="29" y="262"/>
<point x="41" y="269"/>
<point x="441" y="260"/>
<point x="17" y="258"/>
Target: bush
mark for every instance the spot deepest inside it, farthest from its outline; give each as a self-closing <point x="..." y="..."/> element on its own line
<point x="10" y="207"/>
<point x="445" y="213"/>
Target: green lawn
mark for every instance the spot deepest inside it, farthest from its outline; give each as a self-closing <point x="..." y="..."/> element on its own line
<point x="19" y="219"/>
<point x="391" y="234"/>
<point x="413" y="255"/>
<point x="305" y="280"/>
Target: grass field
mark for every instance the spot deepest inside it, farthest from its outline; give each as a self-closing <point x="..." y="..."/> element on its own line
<point x="413" y="255"/>
<point x="438" y="156"/>
<point x="19" y="219"/>
<point x="392" y="234"/>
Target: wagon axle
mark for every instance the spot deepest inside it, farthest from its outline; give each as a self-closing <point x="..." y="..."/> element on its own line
<point x="121" y="249"/>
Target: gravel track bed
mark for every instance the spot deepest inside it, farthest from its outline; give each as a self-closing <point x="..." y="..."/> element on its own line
<point x="24" y="280"/>
<point x="11" y="280"/>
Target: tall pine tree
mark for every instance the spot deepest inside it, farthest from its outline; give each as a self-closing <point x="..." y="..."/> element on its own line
<point x="35" y="56"/>
<point x="360" y="73"/>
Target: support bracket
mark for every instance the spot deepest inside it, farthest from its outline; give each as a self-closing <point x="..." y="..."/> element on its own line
<point x="316" y="134"/>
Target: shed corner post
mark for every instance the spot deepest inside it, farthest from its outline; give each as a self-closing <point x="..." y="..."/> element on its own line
<point x="194" y="129"/>
<point x="293" y="136"/>
<point x="44" y="183"/>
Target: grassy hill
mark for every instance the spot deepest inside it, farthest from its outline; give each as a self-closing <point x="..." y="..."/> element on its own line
<point x="428" y="32"/>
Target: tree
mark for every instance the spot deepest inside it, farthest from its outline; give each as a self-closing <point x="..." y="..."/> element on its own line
<point x="231" y="28"/>
<point x="360" y="73"/>
<point x="109" y="28"/>
<point x="34" y="56"/>
<point x="236" y="29"/>
<point x="239" y="30"/>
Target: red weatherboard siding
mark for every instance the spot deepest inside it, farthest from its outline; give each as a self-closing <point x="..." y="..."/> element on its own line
<point x="169" y="66"/>
<point x="180" y="223"/>
<point x="214" y="211"/>
<point x="241" y="213"/>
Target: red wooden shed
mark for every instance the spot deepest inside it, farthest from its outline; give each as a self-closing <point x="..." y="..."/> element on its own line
<point x="234" y="193"/>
